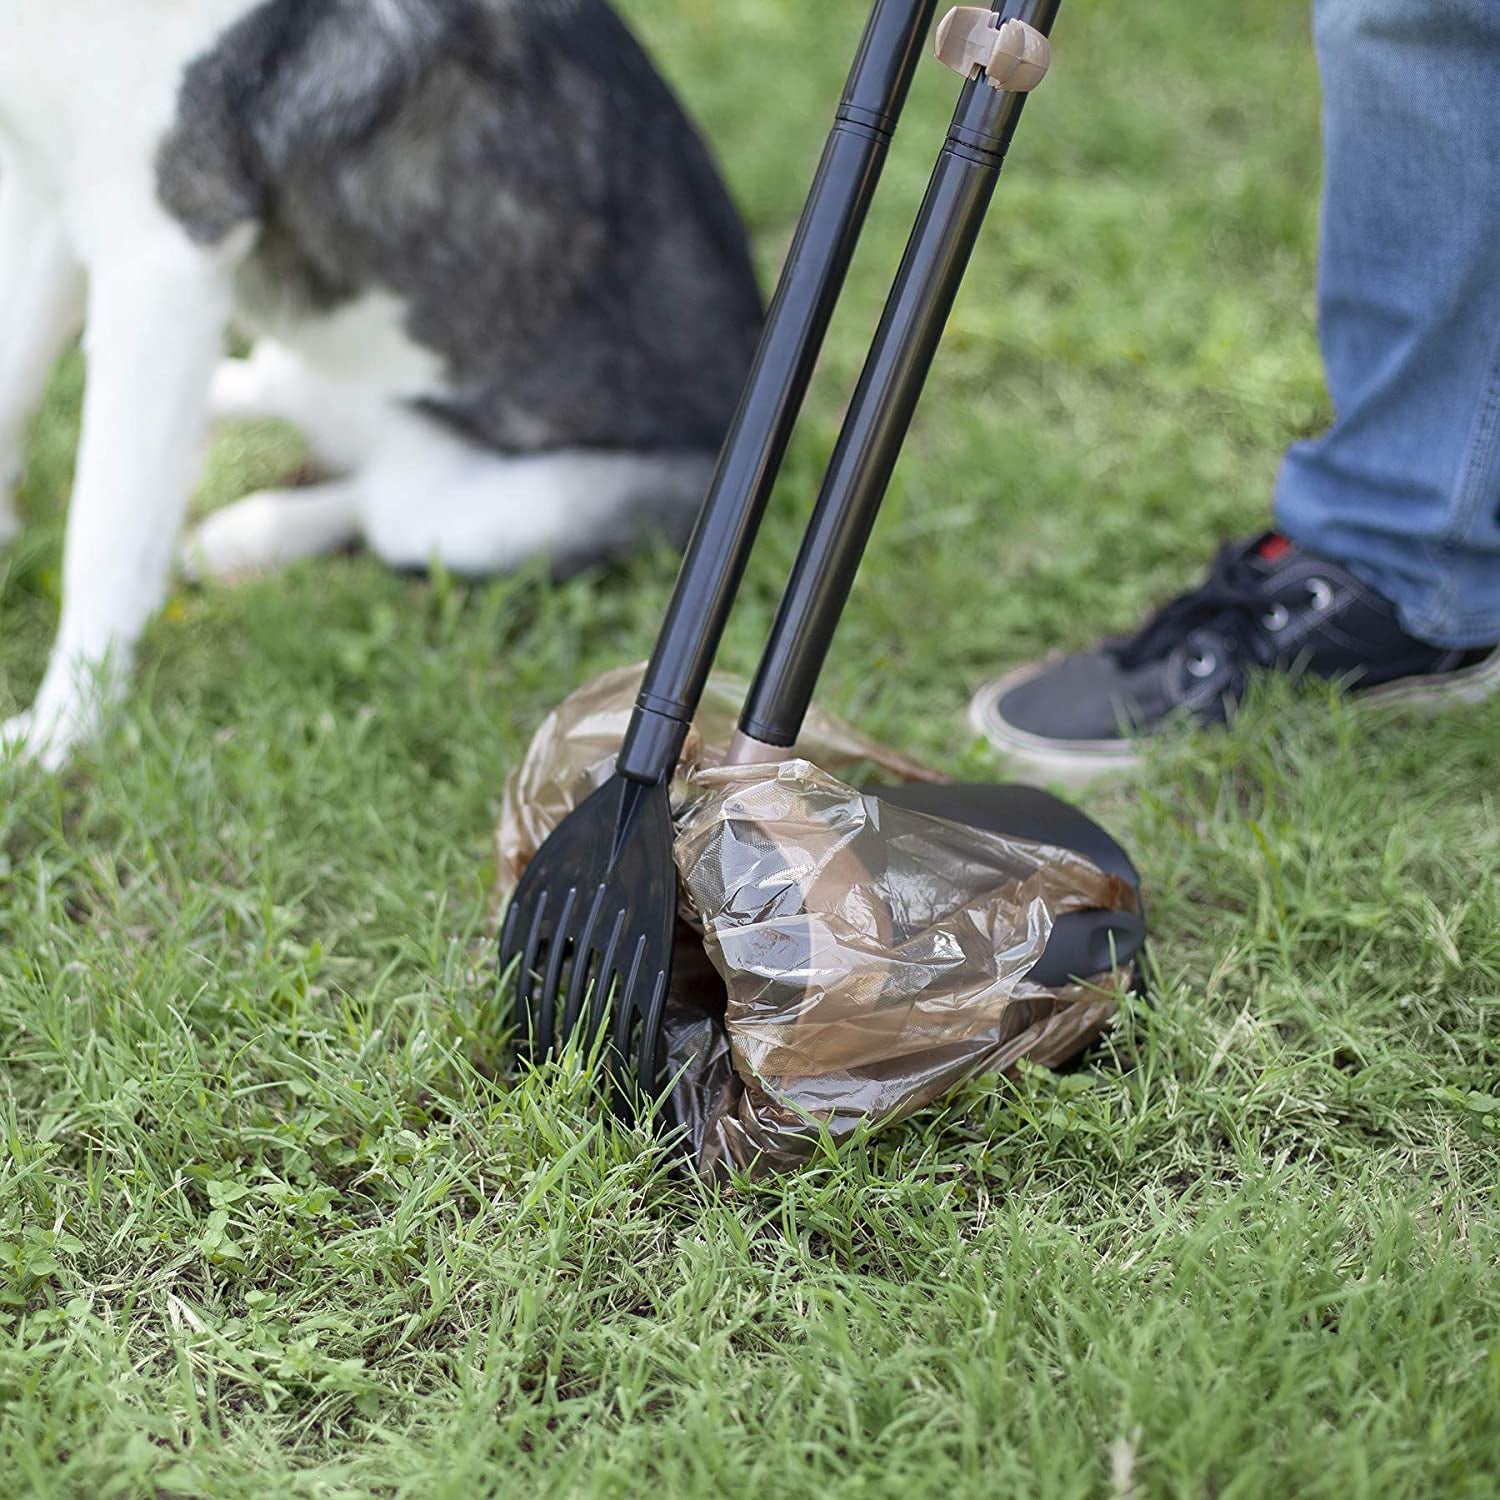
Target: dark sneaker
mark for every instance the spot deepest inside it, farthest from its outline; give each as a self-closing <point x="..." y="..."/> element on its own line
<point x="1267" y="605"/>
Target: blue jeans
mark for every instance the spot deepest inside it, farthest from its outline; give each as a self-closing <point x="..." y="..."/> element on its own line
<point x="1404" y="488"/>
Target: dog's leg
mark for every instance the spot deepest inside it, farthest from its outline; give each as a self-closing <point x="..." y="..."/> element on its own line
<point x="339" y="421"/>
<point x="41" y="307"/>
<point x="273" y="528"/>
<point x="251" y="389"/>
<point x="157" y="312"/>
<point x="430" y="494"/>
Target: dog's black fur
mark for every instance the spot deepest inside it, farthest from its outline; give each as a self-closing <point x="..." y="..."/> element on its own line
<point x="516" y="173"/>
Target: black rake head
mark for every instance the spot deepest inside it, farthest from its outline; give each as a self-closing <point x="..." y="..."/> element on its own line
<point x="588" y="936"/>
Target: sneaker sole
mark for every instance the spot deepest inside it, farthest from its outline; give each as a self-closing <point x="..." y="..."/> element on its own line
<point x="1073" y="764"/>
<point x="1076" y="764"/>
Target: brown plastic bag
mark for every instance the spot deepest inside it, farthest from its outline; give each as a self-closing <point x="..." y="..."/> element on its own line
<point x="866" y="959"/>
<point x="573" y="753"/>
<point x="873" y="957"/>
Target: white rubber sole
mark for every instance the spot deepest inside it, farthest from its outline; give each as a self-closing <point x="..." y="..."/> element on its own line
<point x="1075" y="764"/>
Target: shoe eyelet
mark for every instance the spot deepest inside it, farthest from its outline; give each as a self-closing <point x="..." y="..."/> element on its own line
<point x="1204" y="664"/>
<point x="1320" y="591"/>
<point x="1276" y="619"/>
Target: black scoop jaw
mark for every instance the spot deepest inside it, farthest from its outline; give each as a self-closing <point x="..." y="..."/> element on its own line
<point x="1083" y="943"/>
<point x="589" y="932"/>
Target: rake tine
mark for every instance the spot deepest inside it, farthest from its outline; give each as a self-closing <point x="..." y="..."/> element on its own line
<point x="625" y="1007"/>
<point x="508" y="952"/>
<point x="622" y="1031"/>
<point x="525" y="983"/>
<point x="546" y="1004"/>
<point x="508" y="935"/>
<point x="584" y="955"/>
<point x="648" y="1066"/>
<point x="604" y="978"/>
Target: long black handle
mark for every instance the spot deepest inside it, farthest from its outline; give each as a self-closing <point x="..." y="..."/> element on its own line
<point x="870" y="443"/>
<point x="798" y="320"/>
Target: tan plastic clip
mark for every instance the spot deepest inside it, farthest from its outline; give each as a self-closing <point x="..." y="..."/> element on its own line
<point x="1014" y="56"/>
<point x="746" y="750"/>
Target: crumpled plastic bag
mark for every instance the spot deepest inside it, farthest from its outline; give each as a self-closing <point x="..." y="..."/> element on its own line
<point x="573" y="754"/>
<point x="842" y="962"/>
<point x="874" y="957"/>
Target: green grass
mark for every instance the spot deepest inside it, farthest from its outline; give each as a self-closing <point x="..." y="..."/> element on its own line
<point x="271" y="1223"/>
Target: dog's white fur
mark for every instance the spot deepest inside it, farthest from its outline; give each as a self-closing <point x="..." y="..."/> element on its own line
<point x="88" y="89"/>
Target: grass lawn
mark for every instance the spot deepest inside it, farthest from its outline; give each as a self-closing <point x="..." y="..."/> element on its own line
<point x="271" y="1224"/>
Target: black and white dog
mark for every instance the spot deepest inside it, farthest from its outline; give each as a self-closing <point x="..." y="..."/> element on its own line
<point x="489" y="268"/>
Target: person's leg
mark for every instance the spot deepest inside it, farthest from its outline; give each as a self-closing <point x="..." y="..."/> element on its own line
<point x="1404" y="488"/>
<point x="1386" y="572"/>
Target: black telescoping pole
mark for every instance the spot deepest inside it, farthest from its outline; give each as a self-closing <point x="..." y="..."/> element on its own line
<point x="811" y="281"/>
<point x="880" y="416"/>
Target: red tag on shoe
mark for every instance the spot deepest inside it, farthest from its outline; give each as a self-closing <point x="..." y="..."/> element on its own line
<point x="1274" y="548"/>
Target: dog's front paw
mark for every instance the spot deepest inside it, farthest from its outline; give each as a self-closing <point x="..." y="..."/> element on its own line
<point x="21" y="740"/>
<point x="42" y="739"/>
<point x="231" y="543"/>
<point x="15" y="737"/>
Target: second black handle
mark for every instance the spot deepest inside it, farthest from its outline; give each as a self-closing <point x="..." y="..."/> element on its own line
<point x="879" y="418"/>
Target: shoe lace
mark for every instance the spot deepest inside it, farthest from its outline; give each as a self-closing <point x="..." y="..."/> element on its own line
<point x="1231" y="601"/>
